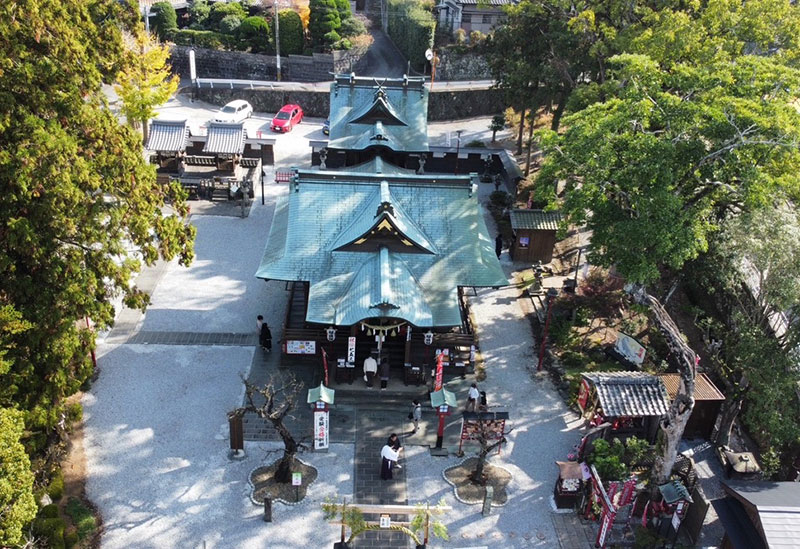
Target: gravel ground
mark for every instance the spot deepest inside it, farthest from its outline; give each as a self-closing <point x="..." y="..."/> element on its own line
<point x="156" y="448"/>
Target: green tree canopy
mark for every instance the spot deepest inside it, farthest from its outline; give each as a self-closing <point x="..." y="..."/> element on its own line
<point x="164" y="18"/>
<point x="199" y="11"/>
<point x="343" y="6"/>
<point x="17" y="505"/>
<point x="81" y="210"/>
<point x="323" y="20"/>
<point x="291" y="29"/>
<point x="255" y="33"/>
<point x="220" y="10"/>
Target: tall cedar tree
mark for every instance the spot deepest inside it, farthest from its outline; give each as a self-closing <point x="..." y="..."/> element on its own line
<point x="323" y="20"/>
<point x="80" y="211"/>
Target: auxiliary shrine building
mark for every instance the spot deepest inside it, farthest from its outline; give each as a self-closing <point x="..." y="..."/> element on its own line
<point x="377" y="249"/>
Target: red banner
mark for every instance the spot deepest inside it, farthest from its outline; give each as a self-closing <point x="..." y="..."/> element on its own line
<point x="439" y="372"/>
<point x="325" y="365"/>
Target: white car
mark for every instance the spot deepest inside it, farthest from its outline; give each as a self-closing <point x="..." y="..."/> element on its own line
<point x="234" y="112"/>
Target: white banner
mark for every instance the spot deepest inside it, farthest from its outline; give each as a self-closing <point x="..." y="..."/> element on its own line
<point x="320" y="430"/>
<point x="351" y="350"/>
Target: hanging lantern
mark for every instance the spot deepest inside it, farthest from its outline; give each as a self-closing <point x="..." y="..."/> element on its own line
<point x="362" y="326"/>
<point x="331" y="333"/>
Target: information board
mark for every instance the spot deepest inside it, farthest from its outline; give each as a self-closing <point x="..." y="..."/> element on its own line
<point x="297" y="347"/>
<point x="320" y="430"/>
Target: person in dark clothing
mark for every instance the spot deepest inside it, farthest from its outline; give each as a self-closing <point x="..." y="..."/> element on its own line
<point x="384" y="373"/>
<point x="498" y="245"/>
<point x="265" y="338"/>
<point x="394" y="444"/>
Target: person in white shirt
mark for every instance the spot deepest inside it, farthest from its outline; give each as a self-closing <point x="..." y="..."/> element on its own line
<point x="389" y="457"/>
<point x="370" y="369"/>
<point x="472" y="398"/>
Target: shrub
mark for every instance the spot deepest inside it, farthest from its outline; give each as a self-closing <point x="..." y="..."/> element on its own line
<point x="56" y="488"/>
<point x="343" y="7"/>
<point x="323" y="20"/>
<point x="17" y="504"/>
<point x="343" y="44"/>
<point x="199" y="10"/>
<point x="331" y="38"/>
<point x="220" y="10"/>
<point x="82" y="517"/>
<point x="49" y="511"/>
<point x="164" y="18"/>
<point x="202" y="38"/>
<point x="254" y="33"/>
<point x="476" y="143"/>
<point x="291" y="29"/>
<point x="229" y="24"/>
<point x="411" y="28"/>
<point x="52" y="530"/>
<point x="476" y="37"/>
<point x="74" y="412"/>
<point x="71" y="538"/>
<point x="352" y="27"/>
<point x="461" y="37"/>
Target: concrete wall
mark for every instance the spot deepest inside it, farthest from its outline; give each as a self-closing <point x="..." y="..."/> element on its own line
<point x="442" y="105"/>
<point x="251" y="66"/>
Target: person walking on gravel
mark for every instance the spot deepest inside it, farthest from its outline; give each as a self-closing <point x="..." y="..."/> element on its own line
<point x="472" y="398"/>
<point x="265" y="337"/>
<point x="416" y="414"/>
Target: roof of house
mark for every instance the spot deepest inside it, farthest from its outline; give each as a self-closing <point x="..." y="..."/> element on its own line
<point x="631" y="394"/>
<point x="777" y="505"/>
<point x="168" y="136"/>
<point x="537" y="220"/>
<point x="224" y="138"/>
<point x="381" y="245"/>
<point x="704" y="389"/>
<point x="371" y="112"/>
<point x="486" y="2"/>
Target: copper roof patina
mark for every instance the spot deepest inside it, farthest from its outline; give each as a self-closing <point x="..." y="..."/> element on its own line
<point x="537" y="220"/>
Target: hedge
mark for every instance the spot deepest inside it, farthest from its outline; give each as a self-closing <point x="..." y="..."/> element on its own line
<point x="411" y="28"/>
<point x="202" y="39"/>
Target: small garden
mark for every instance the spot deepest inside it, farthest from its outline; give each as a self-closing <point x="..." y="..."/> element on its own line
<point x="319" y="26"/>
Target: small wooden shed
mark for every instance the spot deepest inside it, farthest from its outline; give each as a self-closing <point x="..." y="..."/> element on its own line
<point x="707" y="403"/>
<point x="632" y="402"/>
<point x="534" y="235"/>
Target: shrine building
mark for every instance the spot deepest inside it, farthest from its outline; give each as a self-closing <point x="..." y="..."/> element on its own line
<point x="376" y="249"/>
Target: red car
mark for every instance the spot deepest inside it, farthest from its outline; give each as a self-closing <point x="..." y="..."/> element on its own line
<point x="287" y="118"/>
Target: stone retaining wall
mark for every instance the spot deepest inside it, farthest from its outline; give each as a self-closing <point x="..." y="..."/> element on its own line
<point x="462" y="66"/>
<point x="442" y="105"/>
<point x="252" y="66"/>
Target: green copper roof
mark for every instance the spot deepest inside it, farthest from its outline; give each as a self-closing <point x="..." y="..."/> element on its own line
<point x="323" y="393"/>
<point x="437" y="212"/>
<point x="371" y="112"/>
<point x="379" y="165"/>
<point x="535" y="220"/>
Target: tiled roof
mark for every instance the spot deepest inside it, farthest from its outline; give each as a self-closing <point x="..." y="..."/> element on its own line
<point x="389" y="112"/>
<point x="225" y="138"/>
<point x="486" y="2"/>
<point x="168" y="136"/>
<point x="703" y="388"/>
<point x="629" y="393"/>
<point x="344" y="284"/>
<point x="778" y="507"/>
<point x="535" y="220"/>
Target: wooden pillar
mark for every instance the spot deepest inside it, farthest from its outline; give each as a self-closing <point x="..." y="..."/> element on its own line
<point x="407" y="359"/>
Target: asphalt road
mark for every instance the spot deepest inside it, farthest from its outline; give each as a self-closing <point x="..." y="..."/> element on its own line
<point x="383" y="59"/>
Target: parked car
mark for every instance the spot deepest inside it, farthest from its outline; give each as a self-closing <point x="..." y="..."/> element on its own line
<point x="234" y="112"/>
<point x="326" y="127"/>
<point x="287" y="118"/>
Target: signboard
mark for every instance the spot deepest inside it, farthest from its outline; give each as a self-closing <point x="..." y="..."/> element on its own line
<point x="320" y="430"/>
<point x="297" y="347"/>
<point x="386" y="521"/>
<point x="351" y="350"/>
<point x="629" y="348"/>
<point x="493" y="428"/>
<point x="676" y="521"/>
<point x="297" y="479"/>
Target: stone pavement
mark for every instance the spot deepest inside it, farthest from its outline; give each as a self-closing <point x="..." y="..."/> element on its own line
<point x="574" y="532"/>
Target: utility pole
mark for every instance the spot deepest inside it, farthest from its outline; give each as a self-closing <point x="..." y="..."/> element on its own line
<point x="277" y="41"/>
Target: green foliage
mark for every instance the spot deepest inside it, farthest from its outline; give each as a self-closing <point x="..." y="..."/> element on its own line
<point x="476" y="38"/>
<point x="461" y="37"/>
<point x="352" y="27"/>
<point x="69" y="222"/>
<point x="498" y="123"/>
<point x="16" y="479"/>
<point x="323" y="20"/>
<point x="613" y="460"/>
<point x="343" y="7"/>
<point x="501" y="199"/>
<point x="202" y="39"/>
<point x="199" y="10"/>
<point x="74" y="413"/>
<point x="51" y="530"/>
<point x="82" y="517"/>
<point x="221" y="10"/>
<point x="291" y="30"/>
<point x="164" y="18"/>
<point x="411" y="28"/>
<point x="254" y="33"/>
<point x="229" y="24"/>
<point x="48" y="511"/>
<point x="56" y="488"/>
<point x="71" y="538"/>
<point x="331" y="38"/>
